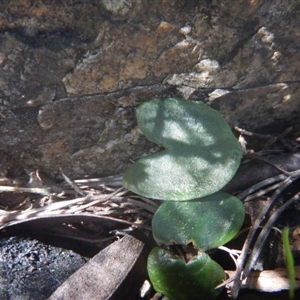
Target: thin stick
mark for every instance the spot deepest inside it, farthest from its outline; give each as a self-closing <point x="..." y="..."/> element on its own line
<point x="49" y="209"/>
<point x="241" y="260"/>
<point x="262" y="192"/>
<point x="78" y="190"/>
<point x="15" y="189"/>
<point x="260" y="185"/>
<point x="96" y="201"/>
<point x="264" y="234"/>
<point x="69" y="218"/>
<point x="264" y="159"/>
<point x="115" y="180"/>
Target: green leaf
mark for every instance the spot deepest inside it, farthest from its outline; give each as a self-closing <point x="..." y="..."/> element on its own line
<point x="208" y="222"/>
<point x="174" y="278"/>
<point x="201" y="154"/>
<point x="289" y="261"/>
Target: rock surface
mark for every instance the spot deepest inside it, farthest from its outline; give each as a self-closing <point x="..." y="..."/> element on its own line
<point x="71" y="74"/>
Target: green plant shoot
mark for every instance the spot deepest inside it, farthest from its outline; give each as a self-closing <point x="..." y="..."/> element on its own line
<point x="289" y="260"/>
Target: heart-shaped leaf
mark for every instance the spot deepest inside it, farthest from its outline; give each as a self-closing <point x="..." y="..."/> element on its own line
<point x="208" y="222"/>
<point x="174" y="278"/>
<point x="201" y="155"/>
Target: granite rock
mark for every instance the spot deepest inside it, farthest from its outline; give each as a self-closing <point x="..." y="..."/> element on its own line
<point x="72" y="73"/>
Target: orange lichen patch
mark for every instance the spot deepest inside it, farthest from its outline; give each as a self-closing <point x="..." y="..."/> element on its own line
<point x="108" y="82"/>
<point x="40" y="11"/>
<point x="134" y="68"/>
<point x="165" y="27"/>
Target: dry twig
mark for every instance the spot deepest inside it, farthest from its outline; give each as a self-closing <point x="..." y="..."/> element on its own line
<point x="242" y="272"/>
<point x="102" y="198"/>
